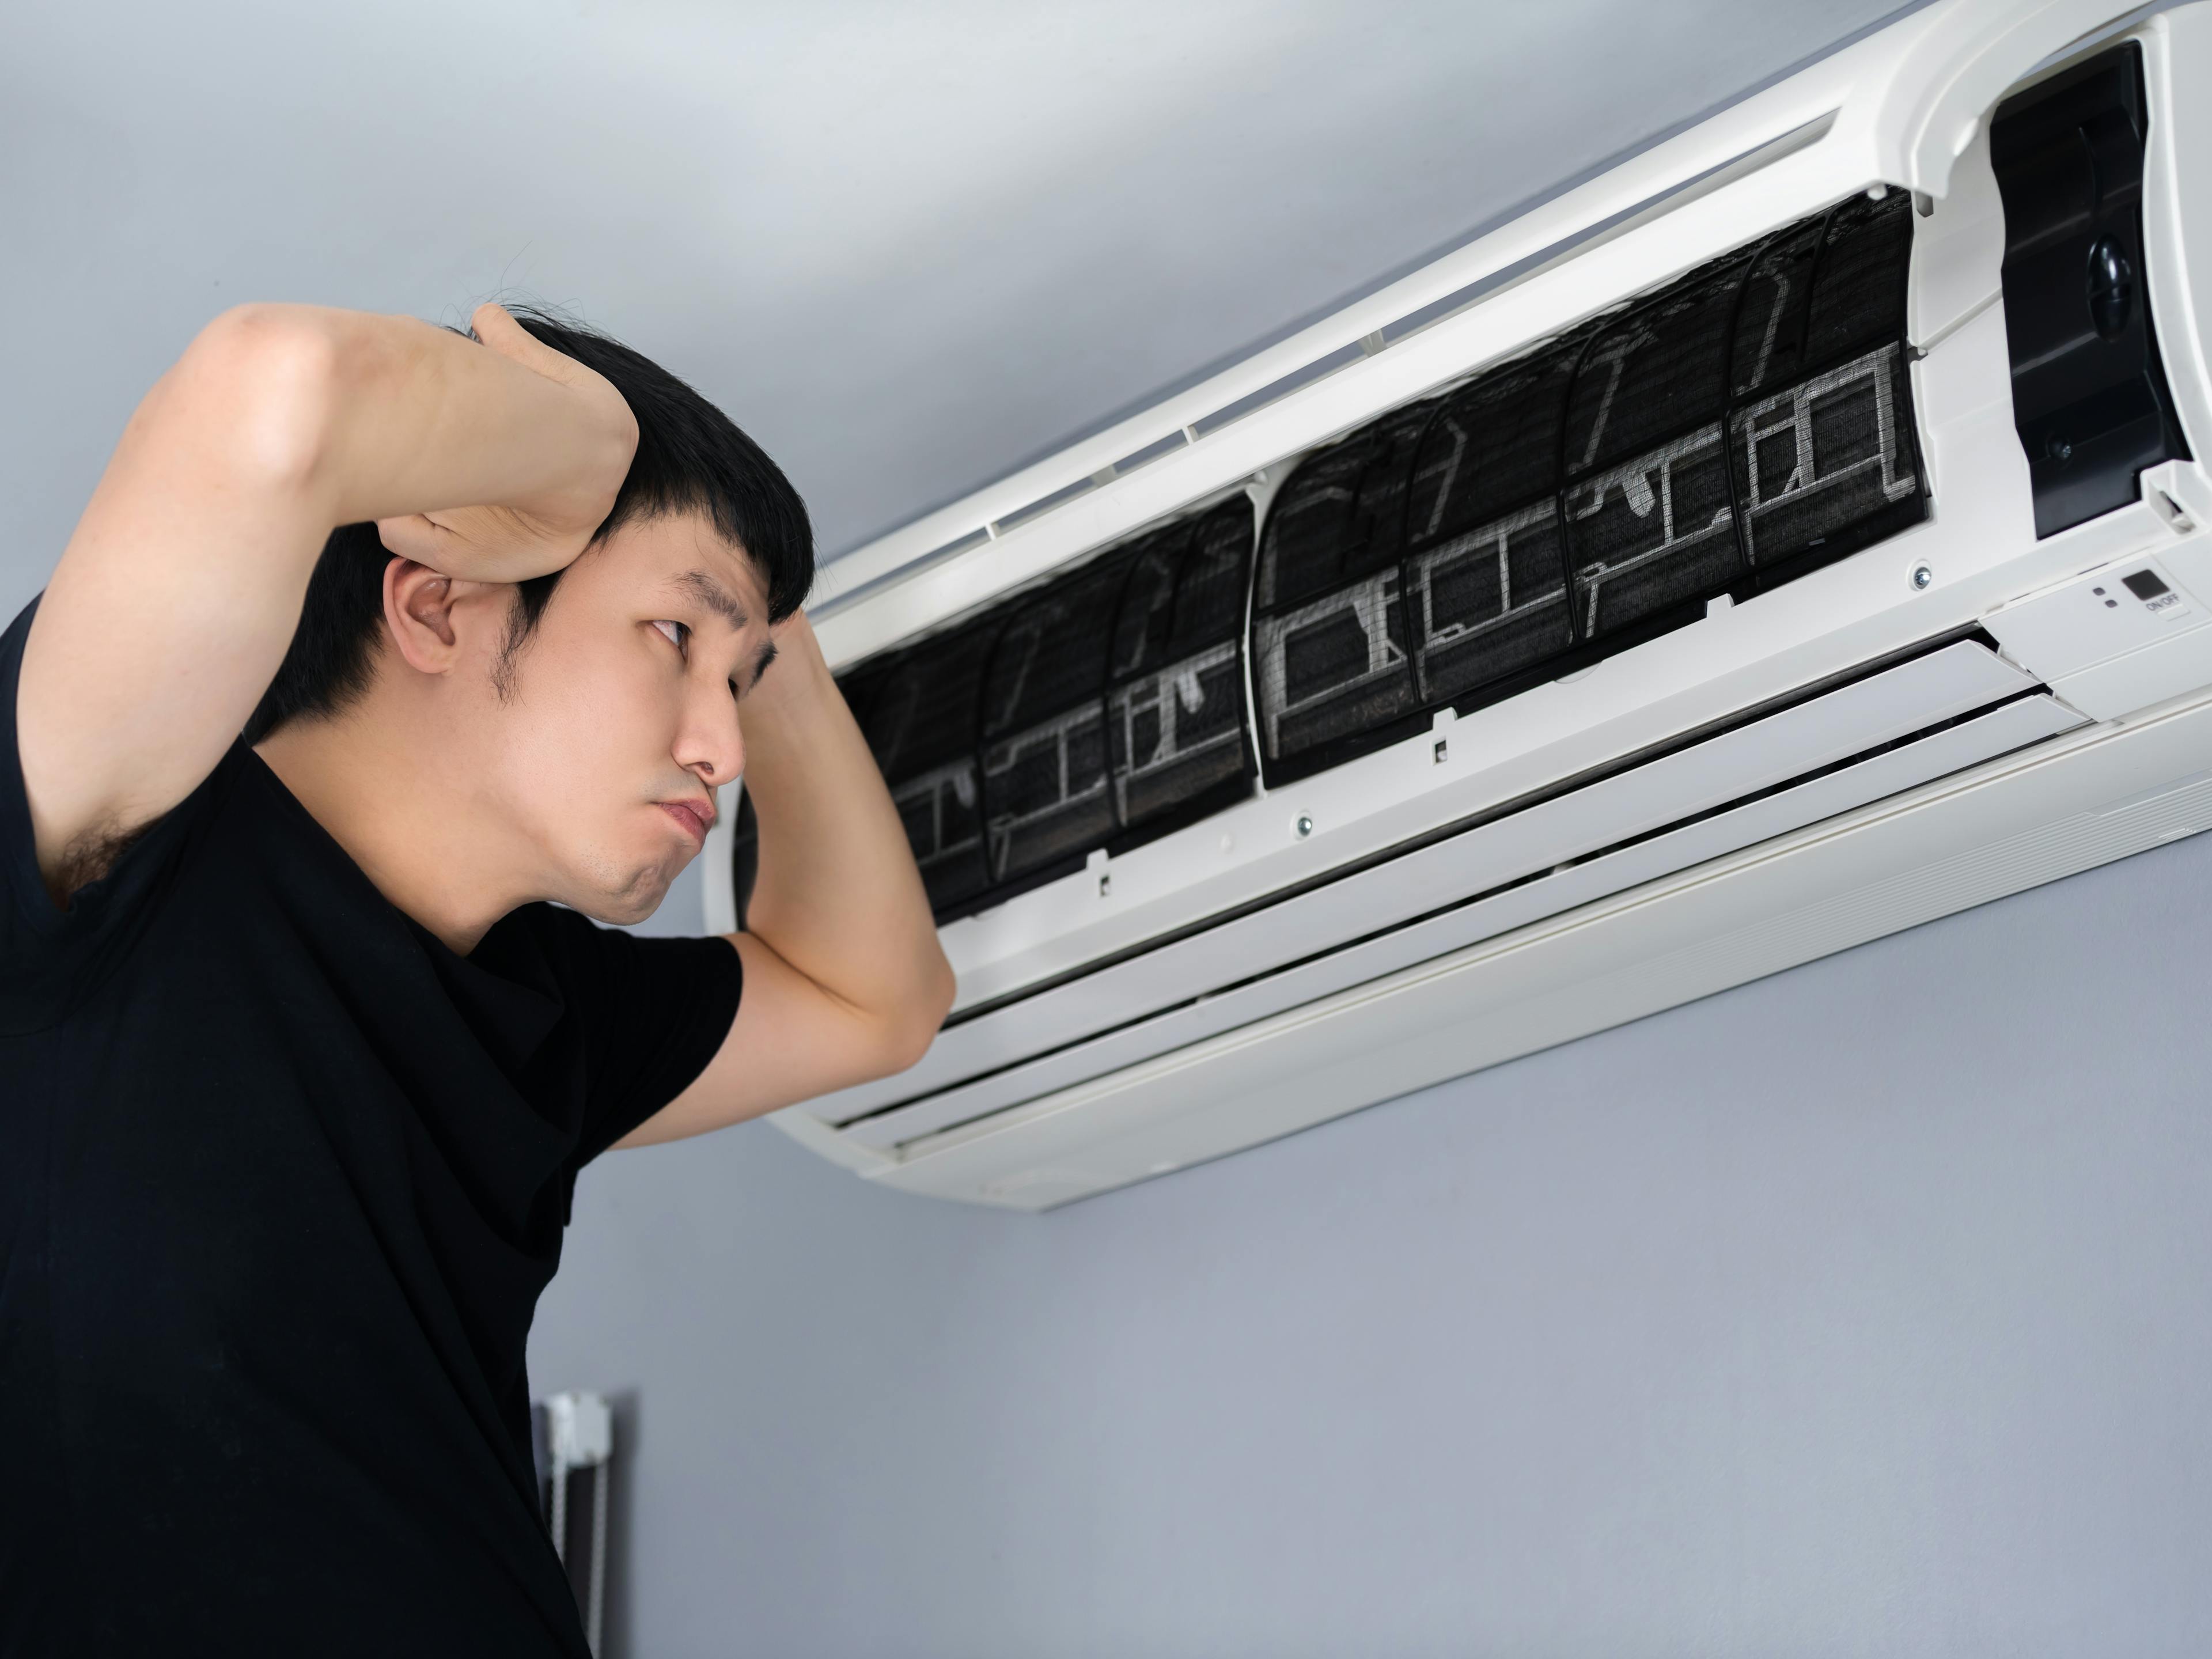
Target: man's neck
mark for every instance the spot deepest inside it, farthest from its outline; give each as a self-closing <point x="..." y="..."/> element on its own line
<point x="419" y="838"/>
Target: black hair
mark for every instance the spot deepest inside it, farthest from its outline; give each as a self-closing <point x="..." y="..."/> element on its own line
<point x="691" y="458"/>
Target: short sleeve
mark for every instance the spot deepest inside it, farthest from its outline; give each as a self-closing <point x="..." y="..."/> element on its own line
<point x="652" y="1012"/>
<point x="50" y="959"/>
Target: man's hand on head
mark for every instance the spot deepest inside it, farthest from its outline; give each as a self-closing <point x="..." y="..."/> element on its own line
<point x="517" y="540"/>
<point x="183" y="585"/>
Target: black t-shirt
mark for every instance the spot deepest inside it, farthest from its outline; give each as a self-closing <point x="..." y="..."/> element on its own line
<point x="281" y="1180"/>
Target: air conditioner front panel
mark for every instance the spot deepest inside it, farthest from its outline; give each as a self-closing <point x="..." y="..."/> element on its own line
<point x="1522" y="840"/>
<point x="2013" y="725"/>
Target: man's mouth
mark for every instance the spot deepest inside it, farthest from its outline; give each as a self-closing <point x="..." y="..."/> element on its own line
<point x="697" y="817"/>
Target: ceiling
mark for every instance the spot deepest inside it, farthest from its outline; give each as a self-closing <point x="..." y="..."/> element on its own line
<point x="906" y="246"/>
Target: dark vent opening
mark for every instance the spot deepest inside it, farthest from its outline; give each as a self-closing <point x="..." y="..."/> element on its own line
<point x="2090" y="395"/>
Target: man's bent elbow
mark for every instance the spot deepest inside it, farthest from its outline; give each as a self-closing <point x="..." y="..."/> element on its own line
<point x="910" y="1035"/>
<point x="260" y="384"/>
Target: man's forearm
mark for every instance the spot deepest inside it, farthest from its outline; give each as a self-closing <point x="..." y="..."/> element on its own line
<point x="838" y="896"/>
<point x="424" y="420"/>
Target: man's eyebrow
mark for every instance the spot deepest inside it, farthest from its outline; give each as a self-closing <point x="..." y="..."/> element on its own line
<point x="715" y="597"/>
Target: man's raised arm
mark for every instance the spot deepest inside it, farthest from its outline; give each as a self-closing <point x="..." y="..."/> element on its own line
<point x="178" y="592"/>
<point x="844" y="979"/>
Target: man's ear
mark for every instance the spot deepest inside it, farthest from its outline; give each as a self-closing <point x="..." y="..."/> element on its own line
<point x="434" y="620"/>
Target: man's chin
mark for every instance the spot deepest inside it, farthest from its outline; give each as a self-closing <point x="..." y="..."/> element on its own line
<point x="632" y="903"/>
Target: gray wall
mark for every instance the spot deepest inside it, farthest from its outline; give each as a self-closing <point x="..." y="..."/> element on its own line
<point x="1862" y="1309"/>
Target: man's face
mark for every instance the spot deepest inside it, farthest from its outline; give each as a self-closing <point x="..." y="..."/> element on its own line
<point x="623" y="716"/>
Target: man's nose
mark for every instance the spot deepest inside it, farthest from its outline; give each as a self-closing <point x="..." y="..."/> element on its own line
<point x="713" y="746"/>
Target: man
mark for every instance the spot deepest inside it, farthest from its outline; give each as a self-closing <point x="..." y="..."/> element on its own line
<point x="297" y="1061"/>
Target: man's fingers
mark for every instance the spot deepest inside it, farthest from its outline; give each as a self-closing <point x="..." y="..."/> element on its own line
<point x="498" y="330"/>
<point x="413" y="536"/>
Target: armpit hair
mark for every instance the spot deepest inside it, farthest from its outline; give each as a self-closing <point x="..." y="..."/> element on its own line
<point x="90" y="856"/>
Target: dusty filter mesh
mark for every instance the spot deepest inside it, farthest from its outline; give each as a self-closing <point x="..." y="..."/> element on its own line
<point x="921" y="727"/>
<point x="1485" y="581"/>
<point x="1650" y="521"/>
<point x="1330" y="658"/>
<point x="1045" y="790"/>
<point x="1734" y="429"/>
<point x="1102" y="709"/>
<point x="1175" y="712"/>
<point x="1829" y="464"/>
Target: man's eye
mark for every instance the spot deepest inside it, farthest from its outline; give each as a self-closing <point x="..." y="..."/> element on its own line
<point x="676" y="632"/>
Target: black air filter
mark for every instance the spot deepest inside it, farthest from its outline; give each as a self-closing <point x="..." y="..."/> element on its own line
<point x="1045" y="794"/>
<point x="1825" y="457"/>
<point x="1175" y="712"/>
<point x="1330" y="663"/>
<point x="923" y="726"/>
<point x="1486" y="582"/>
<point x="1649" y="518"/>
<point x="2089" y="396"/>
<point x="1723" y="435"/>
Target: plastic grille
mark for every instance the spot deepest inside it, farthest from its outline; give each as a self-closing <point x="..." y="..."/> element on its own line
<point x="1176" y="710"/>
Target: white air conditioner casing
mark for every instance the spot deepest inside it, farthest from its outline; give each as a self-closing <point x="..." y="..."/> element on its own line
<point x="1957" y="712"/>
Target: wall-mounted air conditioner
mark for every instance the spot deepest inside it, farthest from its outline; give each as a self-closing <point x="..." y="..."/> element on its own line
<point x="1785" y="539"/>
